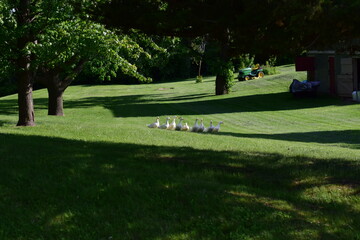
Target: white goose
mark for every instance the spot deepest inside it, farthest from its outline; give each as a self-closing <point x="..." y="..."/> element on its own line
<point x="217" y="128"/>
<point x="201" y="127"/>
<point x="185" y="127"/>
<point x="195" y="128"/>
<point x="172" y="125"/>
<point x="165" y="125"/>
<point x="179" y="125"/>
<point x="156" y="124"/>
<point x="210" y="128"/>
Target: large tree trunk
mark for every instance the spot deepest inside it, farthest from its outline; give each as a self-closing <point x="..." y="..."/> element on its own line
<point x="55" y="105"/>
<point x="220" y="85"/>
<point x="56" y="88"/>
<point x="24" y="74"/>
<point x="25" y="100"/>
<point x="56" y="85"/>
<point x="25" y="87"/>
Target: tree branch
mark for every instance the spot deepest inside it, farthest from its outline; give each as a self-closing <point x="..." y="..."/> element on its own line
<point x="68" y="79"/>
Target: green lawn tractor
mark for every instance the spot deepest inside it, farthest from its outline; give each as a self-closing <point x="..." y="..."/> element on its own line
<point x="251" y="73"/>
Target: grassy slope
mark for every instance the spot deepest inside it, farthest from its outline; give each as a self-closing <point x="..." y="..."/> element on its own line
<point x="281" y="168"/>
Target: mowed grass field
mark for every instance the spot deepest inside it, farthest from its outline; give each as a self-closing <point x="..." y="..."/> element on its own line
<point x="280" y="167"/>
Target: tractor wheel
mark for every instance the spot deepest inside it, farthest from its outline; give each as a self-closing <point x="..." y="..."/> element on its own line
<point x="246" y="78"/>
<point x="261" y="74"/>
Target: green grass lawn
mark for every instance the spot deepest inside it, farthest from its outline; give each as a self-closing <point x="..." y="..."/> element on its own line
<point x="280" y="168"/>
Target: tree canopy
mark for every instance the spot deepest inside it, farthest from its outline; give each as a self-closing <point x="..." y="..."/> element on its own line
<point x="51" y="43"/>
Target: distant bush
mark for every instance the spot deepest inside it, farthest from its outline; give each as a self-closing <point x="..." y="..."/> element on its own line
<point x="243" y="61"/>
<point x="227" y="70"/>
<point x="199" y="79"/>
<point x="269" y="68"/>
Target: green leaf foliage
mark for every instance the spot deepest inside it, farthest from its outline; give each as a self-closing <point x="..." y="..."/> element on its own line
<point x="62" y="36"/>
<point x="104" y="51"/>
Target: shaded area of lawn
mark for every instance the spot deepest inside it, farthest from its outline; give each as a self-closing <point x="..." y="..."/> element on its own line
<point x="8" y="107"/>
<point x="158" y="105"/>
<point x="2" y="123"/>
<point x="350" y="138"/>
<point x="52" y="188"/>
<point x="191" y="104"/>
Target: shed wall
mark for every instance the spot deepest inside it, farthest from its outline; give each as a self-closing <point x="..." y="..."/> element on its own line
<point x="322" y="73"/>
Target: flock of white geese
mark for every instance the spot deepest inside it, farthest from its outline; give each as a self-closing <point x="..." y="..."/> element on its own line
<point x="185" y="127"/>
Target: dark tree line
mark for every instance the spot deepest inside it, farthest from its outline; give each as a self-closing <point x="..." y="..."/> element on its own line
<point x="258" y="27"/>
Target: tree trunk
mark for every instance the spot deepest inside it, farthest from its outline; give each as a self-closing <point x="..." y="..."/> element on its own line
<point x="25" y="88"/>
<point x="25" y="100"/>
<point x="56" y="84"/>
<point x="220" y="85"/>
<point x="55" y="105"/>
<point x="199" y="69"/>
<point x="220" y="82"/>
<point x="23" y="73"/>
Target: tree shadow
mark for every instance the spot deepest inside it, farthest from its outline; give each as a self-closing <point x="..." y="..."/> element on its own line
<point x="53" y="188"/>
<point x="184" y="97"/>
<point x="8" y="107"/>
<point x="350" y="138"/>
<point x="2" y="123"/>
<point x="167" y="104"/>
<point x="153" y="105"/>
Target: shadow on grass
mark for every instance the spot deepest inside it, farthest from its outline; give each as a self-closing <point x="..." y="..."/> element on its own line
<point x="161" y="104"/>
<point x="184" y="97"/>
<point x="8" y="107"/>
<point x="52" y="188"/>
<point x="350" y="138"/>
<point x="128" y="106"/>
<point x="3" y="123"/>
